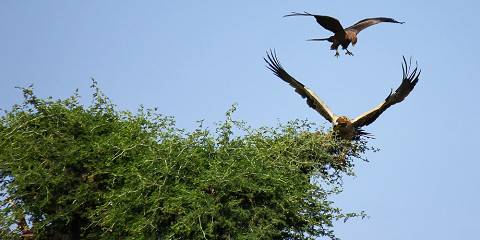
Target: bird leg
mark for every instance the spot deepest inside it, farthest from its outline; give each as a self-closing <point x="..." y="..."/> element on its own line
<point x="348" y="52"/>
<point x="336" y="53"/>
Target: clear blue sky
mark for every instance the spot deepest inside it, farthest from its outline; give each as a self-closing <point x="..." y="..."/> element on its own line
<point x="193" y="59"/>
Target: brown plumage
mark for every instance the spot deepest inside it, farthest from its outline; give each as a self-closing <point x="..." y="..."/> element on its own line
<point x="342" y="125"/>
<point x="343" y="36"/>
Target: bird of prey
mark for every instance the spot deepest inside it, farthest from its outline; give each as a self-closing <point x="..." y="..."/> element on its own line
<point x="345" y="127"/>
<point x="342" y="36"/>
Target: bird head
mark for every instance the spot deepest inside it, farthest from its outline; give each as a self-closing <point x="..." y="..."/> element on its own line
<point x="344" y="128"/>
<point x="342" y="121"/>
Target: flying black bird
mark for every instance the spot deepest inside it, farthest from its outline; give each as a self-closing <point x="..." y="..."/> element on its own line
<point x="342" y="125"/>
<point x="343" y="36"/>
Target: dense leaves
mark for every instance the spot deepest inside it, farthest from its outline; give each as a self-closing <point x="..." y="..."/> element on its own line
<point x="97" y="173"/>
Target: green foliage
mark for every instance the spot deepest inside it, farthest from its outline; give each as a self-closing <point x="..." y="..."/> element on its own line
<point x="97" y="173"/>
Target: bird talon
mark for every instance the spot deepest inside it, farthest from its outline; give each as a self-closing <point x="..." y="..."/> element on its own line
<point x="348" y="53"/>
<point x="337" y="54"/>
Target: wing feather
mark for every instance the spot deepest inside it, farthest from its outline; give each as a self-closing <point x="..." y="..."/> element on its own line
<point x="410" y="79"/>
<point x="312" y="99"/>
<point x="327" y="22"/>
<point x="362" y="24"/>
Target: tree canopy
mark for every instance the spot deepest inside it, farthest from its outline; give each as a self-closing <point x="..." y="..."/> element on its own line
<point x="70" y="171"/>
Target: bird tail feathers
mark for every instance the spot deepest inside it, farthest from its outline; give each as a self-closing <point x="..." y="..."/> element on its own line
<point x="321" y="39"/>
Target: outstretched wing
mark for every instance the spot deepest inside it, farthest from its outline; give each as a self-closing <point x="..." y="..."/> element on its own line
<point x="362" y="24"/>
<point x="329" y="23"/>
<point x="312" y="99"/>
<point x="410" y="79"/>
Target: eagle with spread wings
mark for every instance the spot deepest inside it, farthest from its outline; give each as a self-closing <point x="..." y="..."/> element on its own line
<point x="343" y="36"/>
<point x="345" y="127"/>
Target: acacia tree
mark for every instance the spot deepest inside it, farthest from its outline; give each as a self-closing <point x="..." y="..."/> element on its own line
<point x="93" y="172"/>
